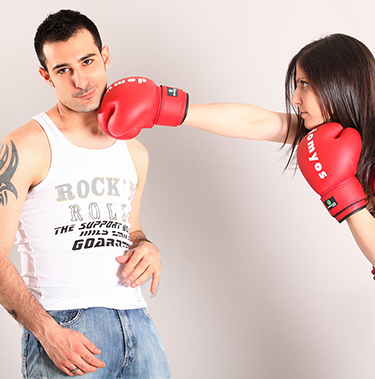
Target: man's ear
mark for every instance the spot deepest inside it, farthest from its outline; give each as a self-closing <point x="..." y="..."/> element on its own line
<point x="106" y="56"/>
<point x="45" y="75"/>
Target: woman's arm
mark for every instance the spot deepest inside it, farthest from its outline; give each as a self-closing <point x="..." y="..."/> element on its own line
<point x="362" y="226"/>
<point x="241" y="121"/>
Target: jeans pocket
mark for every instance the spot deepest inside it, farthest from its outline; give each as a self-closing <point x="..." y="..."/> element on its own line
<point x="66" y="318"/>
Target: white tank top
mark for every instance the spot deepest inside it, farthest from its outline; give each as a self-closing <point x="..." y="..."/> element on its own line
<point x="75" y="223"/>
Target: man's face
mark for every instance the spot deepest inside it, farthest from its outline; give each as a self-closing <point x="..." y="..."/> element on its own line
<point x="77" y="71"/>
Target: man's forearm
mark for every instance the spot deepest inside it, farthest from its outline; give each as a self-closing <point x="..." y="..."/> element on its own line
<point x="65" y="347"/>
<point x="20" y="303"/>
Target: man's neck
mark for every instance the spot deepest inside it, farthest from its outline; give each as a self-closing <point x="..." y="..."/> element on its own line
<point x="81" y="129"/>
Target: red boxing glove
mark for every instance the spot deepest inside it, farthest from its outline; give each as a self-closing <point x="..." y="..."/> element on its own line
<point x="132" y="104"/>
<point x="328" y="157"/>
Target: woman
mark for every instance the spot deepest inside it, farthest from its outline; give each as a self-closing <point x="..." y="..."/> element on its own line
<point x="329" y="80"/>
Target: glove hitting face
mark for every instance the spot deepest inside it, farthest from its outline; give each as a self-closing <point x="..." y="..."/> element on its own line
<point x="328" y="157"/>
<point x="132" y="104"/>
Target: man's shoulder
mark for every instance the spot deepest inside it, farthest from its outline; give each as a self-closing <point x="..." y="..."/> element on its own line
<point x="27" y="135"/>
<point x="28" y="149"/>
<point x="30" y="143"/>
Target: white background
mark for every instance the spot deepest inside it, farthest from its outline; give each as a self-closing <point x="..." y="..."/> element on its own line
<point x="258" y="281"/>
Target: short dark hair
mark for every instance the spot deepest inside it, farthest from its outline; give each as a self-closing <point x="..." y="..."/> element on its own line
<point x="61" y="26"/>
<point x="341" y="71"/>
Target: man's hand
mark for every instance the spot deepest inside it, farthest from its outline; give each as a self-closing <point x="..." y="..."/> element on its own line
<point x="70" y="350"/>
<point x="141" y="262"/>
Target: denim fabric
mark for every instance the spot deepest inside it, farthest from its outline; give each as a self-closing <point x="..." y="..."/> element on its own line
<point x="130" y="344"/>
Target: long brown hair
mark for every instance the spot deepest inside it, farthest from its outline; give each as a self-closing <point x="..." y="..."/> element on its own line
<point x="341" y="71"/>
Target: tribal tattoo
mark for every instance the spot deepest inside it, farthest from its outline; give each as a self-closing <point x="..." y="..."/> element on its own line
<point x="8" y="166"/>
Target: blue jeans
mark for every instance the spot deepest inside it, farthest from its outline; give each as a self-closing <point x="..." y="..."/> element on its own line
<point x="131" y="347"/>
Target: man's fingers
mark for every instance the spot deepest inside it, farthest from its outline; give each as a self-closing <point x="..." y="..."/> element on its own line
<point x="90" y="363"/>
<point x="66" y="370"/>
<point x="88" y="356"/>
<point x="140" y="269"/>
<point x="145" y="276"/>
<point x="79" y="372"/>
<point x="84" y="368"/>
<point x="132" y="260"/>
<point x="141" y="263"/>
<point x="74" y="371"/>
<point x="155" y="282"/>
<point x="70" y="369"/>
<point x="90" y="346"/>
<point x="125" y="258"/>
<point x="86" y="363"/>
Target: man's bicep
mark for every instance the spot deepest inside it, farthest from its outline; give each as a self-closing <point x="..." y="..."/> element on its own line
<point x="135" y="213"/>
<point x="14" y="185"/>
<point x="140" y="159"/>
<point x="8" y="166"/>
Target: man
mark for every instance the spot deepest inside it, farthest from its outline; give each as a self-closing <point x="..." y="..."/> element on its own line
<point x="72" y="195"/>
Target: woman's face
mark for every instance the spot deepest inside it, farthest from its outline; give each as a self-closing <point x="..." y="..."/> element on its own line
<point x="305" y="99"/>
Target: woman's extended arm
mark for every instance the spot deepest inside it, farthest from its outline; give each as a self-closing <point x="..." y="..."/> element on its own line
<point x="241" y="121"/>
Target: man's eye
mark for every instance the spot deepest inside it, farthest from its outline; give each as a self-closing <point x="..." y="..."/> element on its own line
<point x="63" y="71"/>
<point x="87" y="62"/>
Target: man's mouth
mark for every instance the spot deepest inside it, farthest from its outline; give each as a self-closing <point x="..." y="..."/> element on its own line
<point x="86" y="94"/>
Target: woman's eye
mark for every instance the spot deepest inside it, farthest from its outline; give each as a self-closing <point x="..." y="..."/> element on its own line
<point x="304" y="84"/>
